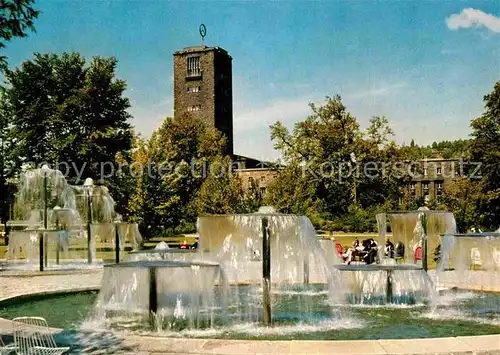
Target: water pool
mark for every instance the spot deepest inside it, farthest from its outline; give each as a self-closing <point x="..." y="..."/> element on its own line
<point x="455" y="314"/>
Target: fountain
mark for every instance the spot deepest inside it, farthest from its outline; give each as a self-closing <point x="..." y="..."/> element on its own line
<point x="161" y="294"/>
<point x="254" y="263"/>
<point x="470" y="261"/>
<point x="401" y="279"/>
<point x="407" y="228"/>
<point x="52" y="218"/>
<point x="265" y="276"/>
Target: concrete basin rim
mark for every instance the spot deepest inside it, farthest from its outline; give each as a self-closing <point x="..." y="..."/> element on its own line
<point x="26" y="296"/>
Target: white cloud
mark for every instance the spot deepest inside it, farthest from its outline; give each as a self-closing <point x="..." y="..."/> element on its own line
<point x="251" y="125"/>
<point x="378" y="91"/>
<point x="473" y="18"/>
<point x="148" y="118"/>
<point x="287" y="111"/>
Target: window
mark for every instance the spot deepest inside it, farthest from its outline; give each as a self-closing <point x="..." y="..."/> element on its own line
<point x="250" y="181"/>
<point x="439" y="170"/>
<point x="193" y="88"/>
<point x="193" y="66"/>
<point x="194" y="108"/>
<point x="427" y="198"/>
<point x="413" y="186"/>
<point x="439" y="185"/>
<point x="425" y="186"/>
<point x="426" y="171"/>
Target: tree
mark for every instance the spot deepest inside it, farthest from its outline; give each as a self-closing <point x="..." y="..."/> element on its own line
<point x="185" y="165"/>
<point x="6" y="164"/>
<point x="318" y="156"/>
<point x="221" y="192"/>
<point x="485" y="149"/>
<point x="464" y="198"/>
<point x="293" y="192"/>
<point x="16" y="19"/>
<point x="137" y="204"/>
<point x="332" y="168"/>
<point x="253" y="198"/>
<point x="64" y="112"/>
<point x="379" y="130"/>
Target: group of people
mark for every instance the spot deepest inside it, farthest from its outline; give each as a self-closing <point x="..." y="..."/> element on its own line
<point x="367" y="251"/>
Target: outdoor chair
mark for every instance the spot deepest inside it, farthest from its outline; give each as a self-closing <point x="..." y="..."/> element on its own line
<point x="6" y="350"/>
<point x="418" y="255"/>
<point x="339" y="249"/>
<point x="32" y="336"/>
<point x="399" y="252"/>
<point x="475" y="256"/>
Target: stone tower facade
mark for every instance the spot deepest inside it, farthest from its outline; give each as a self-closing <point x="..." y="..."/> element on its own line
<point x="203" y="87"/>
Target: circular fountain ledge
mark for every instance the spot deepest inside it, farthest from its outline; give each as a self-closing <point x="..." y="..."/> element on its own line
<point x="484" y="344"/>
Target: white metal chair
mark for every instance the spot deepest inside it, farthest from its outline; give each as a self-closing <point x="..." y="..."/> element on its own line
<point x="6" y="350"/>
<point x="475" y="256"/>
<point x="32" y="336"/>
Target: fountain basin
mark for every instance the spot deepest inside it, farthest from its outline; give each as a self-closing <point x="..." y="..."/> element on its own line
<point x="461" y="318"/>
<point x="387" y="284"/>
<point x="160" y="292"/>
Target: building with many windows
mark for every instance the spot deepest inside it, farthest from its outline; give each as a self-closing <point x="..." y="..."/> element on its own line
<point x="431" y="176"/>
<point x="203" y="87"/>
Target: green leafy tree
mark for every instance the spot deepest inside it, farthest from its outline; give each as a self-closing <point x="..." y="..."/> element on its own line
<point x="380" y="131"/>
<point x="16" y="20"/>
<point x="485" y="148"/>
<point x="331" y="165"/>
<point x="320" y="151"/>
<point x="253" y="198"/>
<point x="381" y="163"/>
<point x="221" y="192"/>
<point x="293" y="192"/>
<point x="464" y="198"/>
<point x="65" y="111"/>
<point x="138" y="207"/>
<point x="182" y="155"/>
<point x="7" y="171"/>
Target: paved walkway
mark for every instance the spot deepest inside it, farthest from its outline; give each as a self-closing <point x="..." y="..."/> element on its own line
<point x="112" y="343"/>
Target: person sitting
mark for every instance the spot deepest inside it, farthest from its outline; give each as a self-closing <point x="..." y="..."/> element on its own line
<point x="389" y="248"/>
<point x="399" y="251"/>
<point x="354" y="251"/>
<point x="371" y="249"/>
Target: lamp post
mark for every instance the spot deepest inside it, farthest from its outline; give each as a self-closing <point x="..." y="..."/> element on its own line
<point x="117" y="240"/>
<point x="88" y="186"/>
<point x="42" y="243"/>
<point x="424" y="242"/>
<point x="354" y="192"/>
<point x="266" y="271"/>
<point x="56" y="211"/>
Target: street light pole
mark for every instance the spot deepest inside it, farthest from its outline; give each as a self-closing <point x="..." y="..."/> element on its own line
<point x="354" y="192"/>
<point x="88" y="185"/>
<point x="42" y="251"/>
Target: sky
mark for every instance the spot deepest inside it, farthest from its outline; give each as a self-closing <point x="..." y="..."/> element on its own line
<point x="425" y="65"/>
